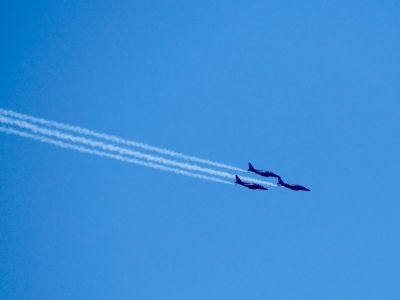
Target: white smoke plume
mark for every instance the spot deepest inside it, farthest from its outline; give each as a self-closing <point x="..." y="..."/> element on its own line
<point x="121" y="158"/>
<point x="115" y="139"/>
<point x="122" y="151"/>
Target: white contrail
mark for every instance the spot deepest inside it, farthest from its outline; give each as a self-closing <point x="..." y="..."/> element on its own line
<point x="115" y="139"/>
<point x="108" y="155"/>
<point x="123" y="151"/>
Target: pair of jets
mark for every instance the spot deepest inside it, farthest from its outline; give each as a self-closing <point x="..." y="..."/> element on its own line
<point x="255" y="186"/>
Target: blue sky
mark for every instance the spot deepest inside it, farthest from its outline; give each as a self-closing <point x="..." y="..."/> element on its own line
<point x="308" y="90"/>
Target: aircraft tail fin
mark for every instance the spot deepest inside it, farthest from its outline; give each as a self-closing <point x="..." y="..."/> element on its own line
<point x="237" y="179"/>
<point x="251" y="168"/>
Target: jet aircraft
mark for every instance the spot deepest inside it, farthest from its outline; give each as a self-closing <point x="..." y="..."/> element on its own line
<point x="262" y="173"/>
<point x="294" y="187"/>
<point x="252" y="186"/>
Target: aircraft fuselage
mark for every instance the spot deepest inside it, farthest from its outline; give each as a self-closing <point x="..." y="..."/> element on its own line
<point x="295" y="187"/>
<point x="249" y="185"/>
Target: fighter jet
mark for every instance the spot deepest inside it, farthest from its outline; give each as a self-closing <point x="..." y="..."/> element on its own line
<point x="294" y="187"/>
<point x="262" y="173"/>
<point x="252" y="186"/>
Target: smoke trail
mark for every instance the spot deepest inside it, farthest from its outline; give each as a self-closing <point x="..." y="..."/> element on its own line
<point x="122" y="151"/>
<point x="108" y="155"/>
<point x="112" y="138"/>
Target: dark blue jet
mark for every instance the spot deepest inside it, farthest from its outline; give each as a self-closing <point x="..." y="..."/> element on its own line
<point x="294" y="187"/>
<point x="262" y="173"/>
<point x="252" y="186"/>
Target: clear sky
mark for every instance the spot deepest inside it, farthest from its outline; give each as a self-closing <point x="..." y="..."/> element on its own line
<point x="307" y="89"/>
